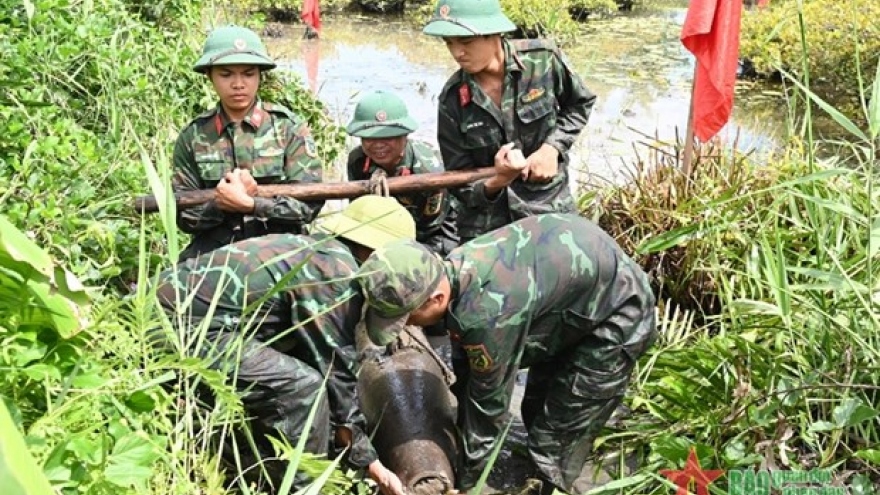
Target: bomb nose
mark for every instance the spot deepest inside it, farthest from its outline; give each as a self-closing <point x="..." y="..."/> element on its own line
<point x="430" y="484"/>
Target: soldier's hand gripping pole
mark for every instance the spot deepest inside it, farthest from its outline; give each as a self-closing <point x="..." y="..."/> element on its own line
<point x="331" y="190"/>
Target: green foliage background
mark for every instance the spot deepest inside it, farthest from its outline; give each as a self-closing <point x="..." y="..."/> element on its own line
<point x="94" y="91"/>
<point x="838" y="34"/>
<point x="97" y="85"/>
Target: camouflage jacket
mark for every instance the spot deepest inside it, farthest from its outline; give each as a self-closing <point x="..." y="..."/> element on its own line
<point x="527" y="293"/>
<point x="321" y="300"/>
<point x="433" y="212"/>
<point x="273" y="143"/>
<point x="544" y="101"/>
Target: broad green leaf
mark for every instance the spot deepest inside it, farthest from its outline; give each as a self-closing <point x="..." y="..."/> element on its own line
<point x="140" y="401"/>
<point x="129" y="462"/>
<point x="127" y="476"/>
<point x="751" y="306"/>
<point x="822" y="426"/>
<point x="51" y="297"/>
<point x="870" y="455"/>
<point x="834" y="113"/>
<point x="88" y="381"/>
<point x="852" y="412"/>
<point x="673" y="449"/>
<point x="40" y="372"/>
<point x="19" y="473"/>
<point x="50" y="308"/>
<point x="21" y="254"/>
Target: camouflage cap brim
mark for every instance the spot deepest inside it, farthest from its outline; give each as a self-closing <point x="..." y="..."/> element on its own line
<point x="377" y="130"/>
<point x="381" y="330"/>
<point x="234" y="58"/>
<point x="382" y="132"/>
<point x="453" y="28"/>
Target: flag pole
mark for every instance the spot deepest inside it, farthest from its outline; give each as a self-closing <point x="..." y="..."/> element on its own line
<point x="687" y="160"/>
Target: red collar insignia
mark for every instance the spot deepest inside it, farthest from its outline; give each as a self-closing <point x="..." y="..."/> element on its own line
<point x="464" y="94"/>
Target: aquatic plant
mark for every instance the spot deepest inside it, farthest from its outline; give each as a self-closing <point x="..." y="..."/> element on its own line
<point x="837" y="33"/>
<point x="780" y="374"/>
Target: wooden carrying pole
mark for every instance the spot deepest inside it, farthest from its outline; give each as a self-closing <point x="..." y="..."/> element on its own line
<point x="687" y="166"/>
<point x="330" y="190"/>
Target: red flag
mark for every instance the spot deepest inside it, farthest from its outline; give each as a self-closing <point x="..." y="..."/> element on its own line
<point x="311" y="14"/>
<point x="711" y="33"/>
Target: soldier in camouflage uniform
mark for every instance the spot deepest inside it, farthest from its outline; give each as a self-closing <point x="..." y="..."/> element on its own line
<point x="240" y="143"/>
<point x="521" y="92"/>
<point x="383" y="123"/>
<point x="280" y="328"/>
<point x="552" y="293"/>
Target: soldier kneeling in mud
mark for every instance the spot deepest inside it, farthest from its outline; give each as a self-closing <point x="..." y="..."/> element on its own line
<point x="278" y="314"/>
<point x="552" y="293"/>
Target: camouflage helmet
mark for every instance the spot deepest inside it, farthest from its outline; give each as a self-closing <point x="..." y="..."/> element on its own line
<point x="233" y="45"/>
<point x="380" y="114"/>
<point x="396" y="280"/>
<point x="462" y="18"/>
<point x="372" y="221"/>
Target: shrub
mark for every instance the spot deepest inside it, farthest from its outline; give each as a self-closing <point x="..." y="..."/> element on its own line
<point x="835" y="32"/>
<point x="91" y="85"/>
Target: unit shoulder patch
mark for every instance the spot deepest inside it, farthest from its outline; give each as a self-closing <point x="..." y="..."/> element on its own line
<point x="478" y="357"/>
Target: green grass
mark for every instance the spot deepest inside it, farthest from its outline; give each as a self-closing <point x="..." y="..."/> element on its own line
<point x="780" y="371"/>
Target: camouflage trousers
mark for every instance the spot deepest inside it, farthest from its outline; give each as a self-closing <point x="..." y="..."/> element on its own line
<point x="569" y="398"/>
<point x="277" y="391"/>
<point x="229" y="232"/>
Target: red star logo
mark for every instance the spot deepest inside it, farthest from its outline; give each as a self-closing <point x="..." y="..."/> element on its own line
<point x="692" y="472"/>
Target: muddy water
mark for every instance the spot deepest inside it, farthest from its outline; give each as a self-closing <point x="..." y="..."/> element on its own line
<point x="633" y="62"/>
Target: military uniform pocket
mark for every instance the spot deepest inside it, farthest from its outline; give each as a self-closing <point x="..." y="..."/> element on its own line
<point x="268" y="166"/>
<point x="212" y="168"/>
<point x="480" y="134"/>
<point x="537" y="119"/>
<point x="602" y="379"/>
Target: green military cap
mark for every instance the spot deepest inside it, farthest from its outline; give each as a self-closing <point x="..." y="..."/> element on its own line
<point x="468" y="18"/>
<point x="233" y="45"/>
<point x="380" y="114"/>
<point x="397" y="279"/>
<point x="372" y="221"/>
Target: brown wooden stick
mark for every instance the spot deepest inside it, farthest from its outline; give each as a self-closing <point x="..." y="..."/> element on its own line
<point x="330" y="190"/>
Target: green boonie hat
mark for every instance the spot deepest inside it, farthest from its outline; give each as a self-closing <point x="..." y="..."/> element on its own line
<point x="233" y="45"/>
<point x="372" y="221"/>
<point x="468" y="18"/>
<point x="397" y="279"/>
<point x="381" y="114"/>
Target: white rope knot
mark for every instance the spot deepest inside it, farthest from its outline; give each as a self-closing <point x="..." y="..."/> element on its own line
<point x="379" y="183"/>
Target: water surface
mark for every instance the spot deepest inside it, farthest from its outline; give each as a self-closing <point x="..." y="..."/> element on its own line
<point x="634" y="63"/>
